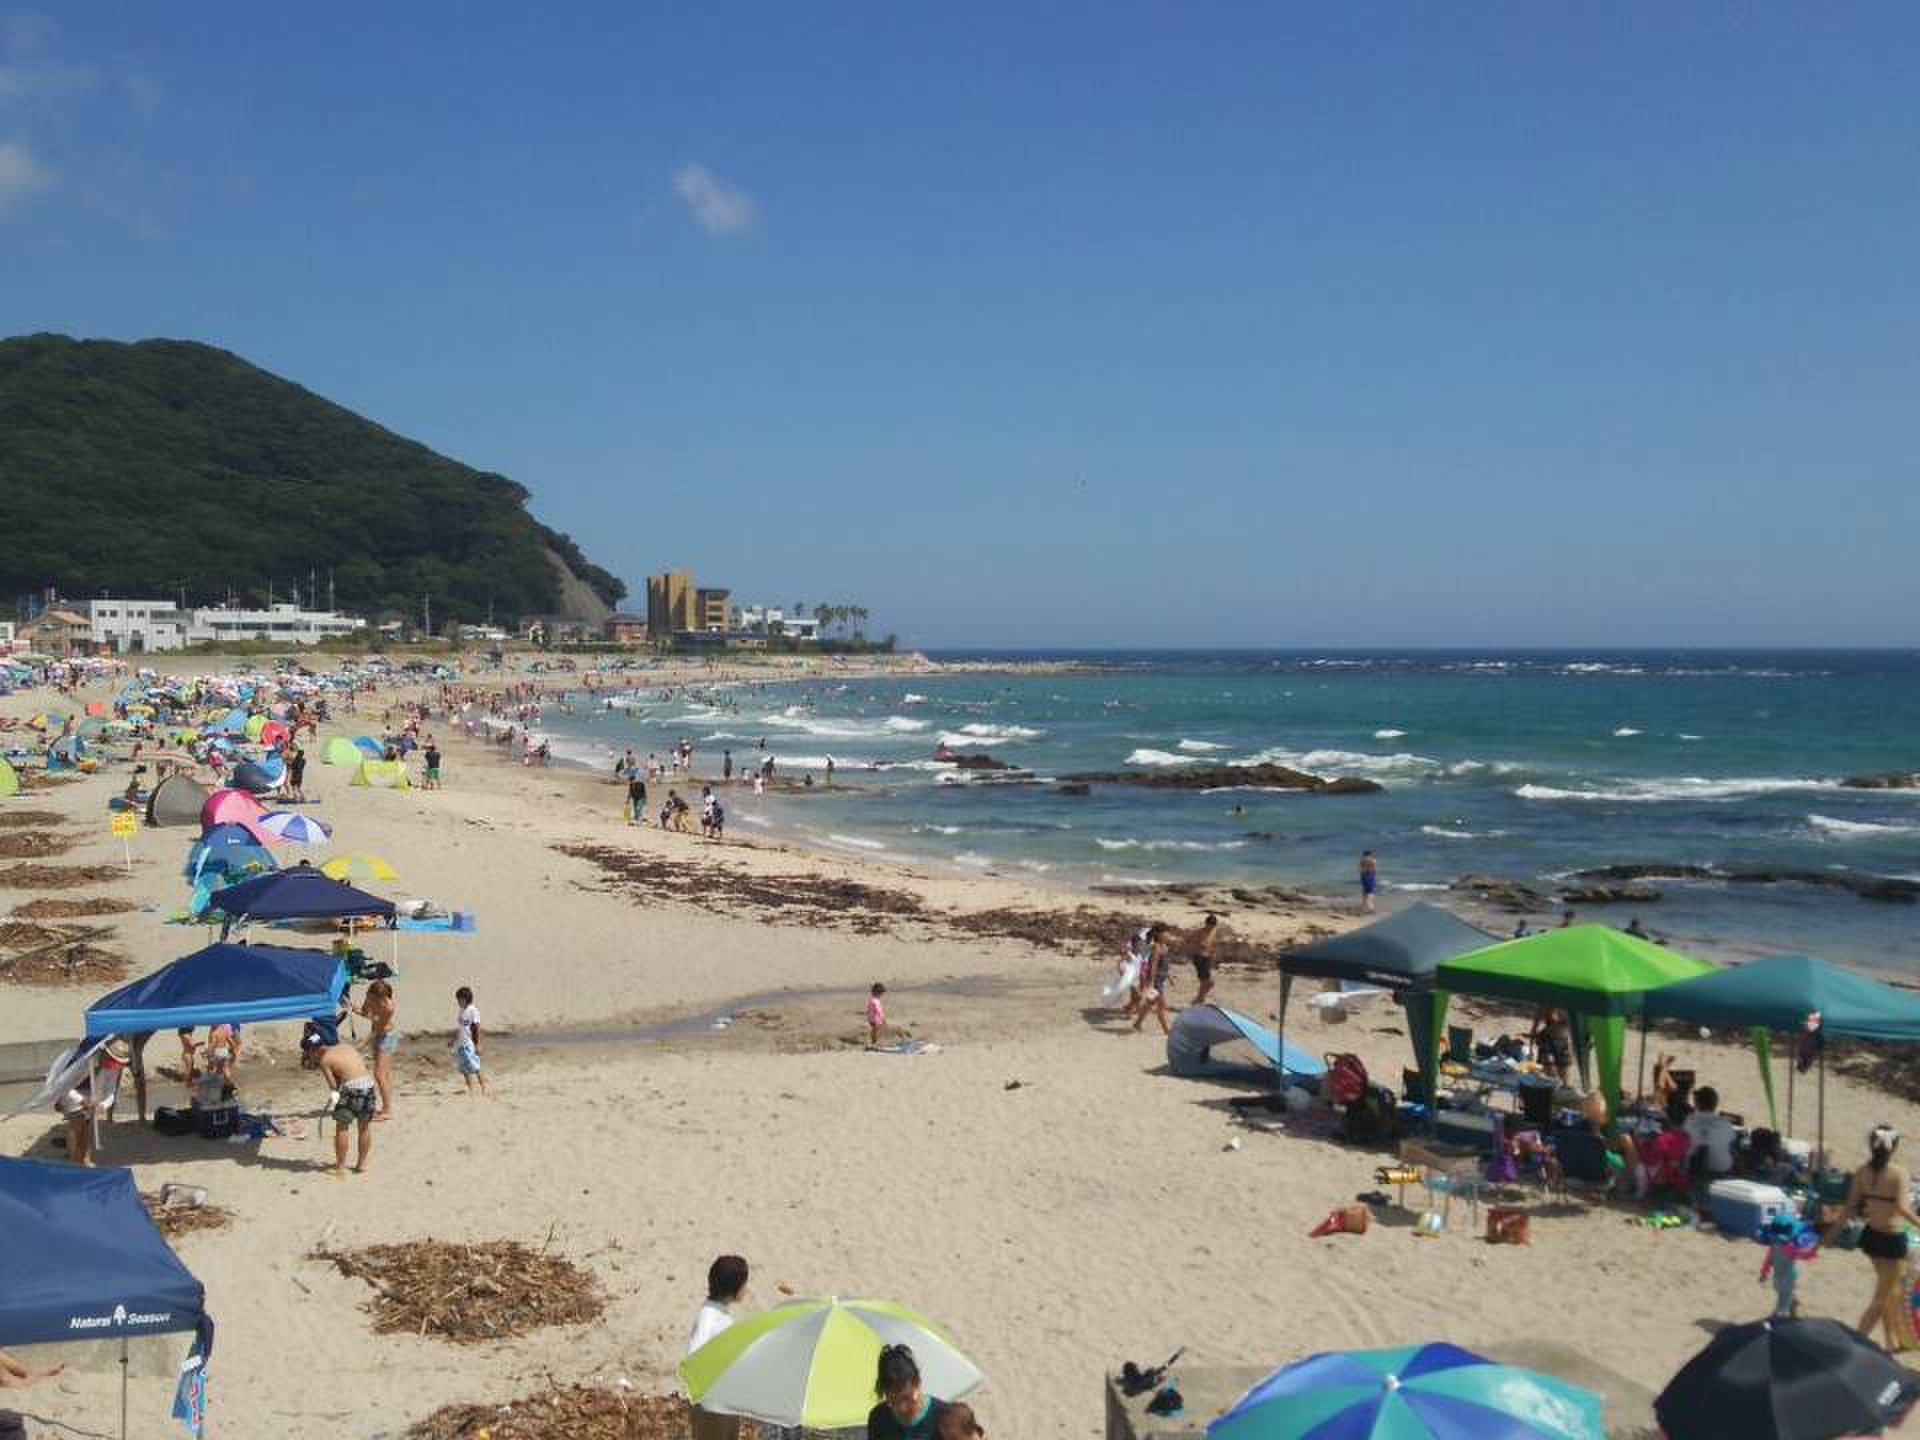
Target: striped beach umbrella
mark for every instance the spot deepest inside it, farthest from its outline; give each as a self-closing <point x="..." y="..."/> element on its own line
<point x="1413" y="1392"/>
<point x="812" y="1362"/>
<point x="294" y="828"/>
<point x="359" y="866"/>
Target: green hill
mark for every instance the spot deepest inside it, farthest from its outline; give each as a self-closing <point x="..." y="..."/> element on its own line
<point x="146" y="467"/>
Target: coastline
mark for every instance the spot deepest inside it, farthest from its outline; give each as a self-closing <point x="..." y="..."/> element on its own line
<point x="1017" y="1214"/>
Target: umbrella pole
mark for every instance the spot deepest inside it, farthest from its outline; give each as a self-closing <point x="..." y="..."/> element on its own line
<point x="123" y="1387"/>
<point x="1823" y="1099"/>
<point x="1793" y="1066"/>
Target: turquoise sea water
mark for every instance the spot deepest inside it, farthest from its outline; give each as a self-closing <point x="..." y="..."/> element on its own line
<point x="1523" y="764"/>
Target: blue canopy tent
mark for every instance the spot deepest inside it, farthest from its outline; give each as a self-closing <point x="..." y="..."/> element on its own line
<point x="83" y="1261"/>
<point x="246" y="983"/>
<point x="300" y="892"/>
<point x="1798" y="994"/>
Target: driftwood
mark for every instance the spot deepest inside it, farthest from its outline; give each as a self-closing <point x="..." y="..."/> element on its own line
<point x="491" y="1290"/>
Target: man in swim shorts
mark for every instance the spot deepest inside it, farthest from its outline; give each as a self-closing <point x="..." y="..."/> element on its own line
<point x="354" y="1097"/>
<point x="1369" y="880"/>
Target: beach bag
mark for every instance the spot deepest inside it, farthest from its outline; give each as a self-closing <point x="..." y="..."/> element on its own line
<point x="1346" y="1078"/>
<point x="1507" y="1225"/>
<point x="1371" y="1118"/>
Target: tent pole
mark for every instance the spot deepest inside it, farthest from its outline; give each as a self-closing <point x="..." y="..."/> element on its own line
<point x="1793" y="1064"/>
<point x="1279" y="1036"/>
<point x="1823" y="1099"/>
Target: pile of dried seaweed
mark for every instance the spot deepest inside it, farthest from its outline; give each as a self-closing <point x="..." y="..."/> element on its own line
<point x="57" y="877"/>
<point x="579" y="1412"/>
<point x="34" y="845"/>
<point x="492" y="1290"/>
<point x="50" y="909"/>
<point x="27" y="819"/>
<point x="176" y="1219"/>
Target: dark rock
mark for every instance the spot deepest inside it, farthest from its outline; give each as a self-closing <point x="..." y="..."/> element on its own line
<point x="978" y="762"/>
<point x="1508" y="894"/>
<point x="1889" y="780"/>
<point x="1890" y="889"/>
<point x="1610" y="895"/>
<point x="1225" y="777"/>
<point x="1073" y="788"/>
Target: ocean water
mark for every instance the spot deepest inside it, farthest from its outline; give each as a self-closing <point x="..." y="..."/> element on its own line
<point x="1521" y="764"/>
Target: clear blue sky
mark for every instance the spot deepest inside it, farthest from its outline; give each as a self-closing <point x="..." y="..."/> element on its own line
<point x="1051" y="324"/>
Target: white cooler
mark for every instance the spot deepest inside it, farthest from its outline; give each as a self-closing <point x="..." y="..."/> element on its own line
<point x="1746" y="1207"/>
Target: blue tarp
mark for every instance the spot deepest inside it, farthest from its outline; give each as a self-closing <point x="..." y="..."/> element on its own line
<point x="224" y="982"/>
<point x="83" y="1261"/>
<point x="299" y="892"/>
<point x="1201" y="1027"/>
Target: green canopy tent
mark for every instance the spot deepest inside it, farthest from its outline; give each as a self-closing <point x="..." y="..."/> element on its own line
<point x="1796" y="994"/>
<point x="1594" y="972"/>
<point x="9" y="781"/>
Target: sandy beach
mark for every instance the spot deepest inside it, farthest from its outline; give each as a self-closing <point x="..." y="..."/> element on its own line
<point x="1035" y="1181"/>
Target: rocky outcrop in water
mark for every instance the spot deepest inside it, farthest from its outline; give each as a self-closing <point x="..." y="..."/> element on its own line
<point x="1889" y="780"/>
<point x="1609" y="895"/>
<point x="1887" y="888"/>
<point x="1073" y="788"/>
<point x="1225" y="777"/>
<point x="977" y="762"/>
<point x="1503" y="891"/>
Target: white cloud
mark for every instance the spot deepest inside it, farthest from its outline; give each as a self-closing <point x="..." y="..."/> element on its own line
<point x="20" y="174"/>
<point x="721" y="209"/>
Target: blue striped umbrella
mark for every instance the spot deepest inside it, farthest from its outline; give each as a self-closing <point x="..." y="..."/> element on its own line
<point x="1414" y="1392"/>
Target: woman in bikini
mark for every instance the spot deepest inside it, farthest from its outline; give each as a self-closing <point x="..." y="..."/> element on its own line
<point x="1878" y="1196"/>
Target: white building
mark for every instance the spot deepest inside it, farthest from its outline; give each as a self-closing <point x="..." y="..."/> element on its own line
<point x="771" y="620"/>
<point x="142" y="626"/>
<point x="148" y="626"/>
<point x="6" y="637"/>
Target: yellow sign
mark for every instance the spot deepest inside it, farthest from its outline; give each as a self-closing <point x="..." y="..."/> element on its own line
<point x="124" y="825"/>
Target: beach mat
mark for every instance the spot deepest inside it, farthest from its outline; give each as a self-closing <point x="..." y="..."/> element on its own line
<point x="461" y="922"/>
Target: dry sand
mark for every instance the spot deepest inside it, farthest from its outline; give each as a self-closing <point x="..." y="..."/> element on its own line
<point x="1091" y="1213"/>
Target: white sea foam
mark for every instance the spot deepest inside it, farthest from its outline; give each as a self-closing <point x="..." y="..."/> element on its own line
<point x="1388" y="734"/>
<point x="939" y="829"/>
<point x="1445" y="833"/>
<point x="1200" y="747"/>
<point x="784" y="761"/>
<point x="1624" y="731"/>
<point x="855" y="842"/>
<point x="969" y="857"/>
<point x="966" y="734"/>
<point x="1191" y="845"/>
<point x="1685" y="736"/>
<point x="902" y="724"/>
<point x="1683" y="787"/>
<point x="1352" y="762"/>
<point x="762" y="821"/>
<point x="912" y="765"/>
<point x="1416" y="885"/>
<point x="1861" y="828"/>
<point x="1158" y="757"/>
<point x="911" y="699"/>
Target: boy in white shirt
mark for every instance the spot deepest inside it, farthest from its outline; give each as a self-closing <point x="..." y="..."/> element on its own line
<point x="466" y="1053"/>
<point x="726" y="1288"/>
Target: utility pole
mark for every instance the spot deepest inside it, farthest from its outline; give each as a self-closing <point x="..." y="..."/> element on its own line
<point x="330" y="601"/>
<point x="426" y="612"/>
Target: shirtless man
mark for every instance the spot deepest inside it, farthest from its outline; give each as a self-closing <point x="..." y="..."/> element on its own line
<point x="1200" y="944"/>
<point x="353" y="1100"/>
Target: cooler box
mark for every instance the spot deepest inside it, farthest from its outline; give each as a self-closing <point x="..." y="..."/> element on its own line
<point x="1746" y="1207"/>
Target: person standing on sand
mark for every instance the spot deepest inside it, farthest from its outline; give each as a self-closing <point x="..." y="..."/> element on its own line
<point x="430" y="780"/>
<point x="1202" y="941"/>
<point x="726" y="1288"/>
<point x="352" y="1100"/>
<point x="296" y="772"/>
<point x="636" y="799"/>
<point x="1153" y="980"/>
<point x="1878" y="1197"/>
<point x="378" y="1008"/>
<point x="1369" y="880"/>
<point x="876" y="1015"/>
<point x="466" y="1040"/>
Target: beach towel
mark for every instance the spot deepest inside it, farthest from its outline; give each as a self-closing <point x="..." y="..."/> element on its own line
<point x="461" y="922"/>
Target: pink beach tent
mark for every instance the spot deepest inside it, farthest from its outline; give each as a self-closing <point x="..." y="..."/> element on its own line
<point x="233" y="807"/>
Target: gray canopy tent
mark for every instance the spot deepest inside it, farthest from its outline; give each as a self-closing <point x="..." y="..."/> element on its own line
<point x="1399" y="954"/>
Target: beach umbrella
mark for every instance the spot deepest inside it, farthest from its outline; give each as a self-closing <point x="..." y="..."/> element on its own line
<point x="295" y="829"/>
<point x="1789" y="1379"/>
<point x="812" y="1362"/>
<point x="358" y="866"/>
<point x="1412" y="1392"/>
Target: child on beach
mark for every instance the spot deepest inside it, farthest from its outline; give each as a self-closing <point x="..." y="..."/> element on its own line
<point x="466" y="1041"/>
<point x="876" y="1013"/>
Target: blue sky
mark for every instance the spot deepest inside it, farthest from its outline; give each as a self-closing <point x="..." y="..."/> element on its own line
<point x="1110" y="324"/>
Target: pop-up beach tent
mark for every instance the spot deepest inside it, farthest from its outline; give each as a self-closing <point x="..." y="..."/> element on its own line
<point x="342" y="751"/>
<point x="176" y="800"/>
<point x="300" y="892"/>
<point x="9" y="781"/>
<point x="229" y="805"/>
<point x="1797" y="994"/>
<point x="245" y="983"/>
<point x="382" y="775"/>
<point x="1595" y="973"/>
<point x="83" y="1261"/>
<point x="254" y="777"/>
<point x="1201" y="1028"/>
<point x="1399" y="954"/>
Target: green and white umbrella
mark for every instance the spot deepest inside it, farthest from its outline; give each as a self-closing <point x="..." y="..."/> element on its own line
<point x="812" y="1362"/>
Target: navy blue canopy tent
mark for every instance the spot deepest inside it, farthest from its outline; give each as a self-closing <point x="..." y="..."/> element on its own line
<point x="242" y="983"/>
<point x="300" y="892"/>
<point x="83" y="1261"/>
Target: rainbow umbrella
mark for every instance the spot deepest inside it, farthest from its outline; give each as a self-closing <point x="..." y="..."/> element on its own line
<point x="811" y="1363"/>
<point x="358" y="866"/>
<point x="1413" y="1392"/>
